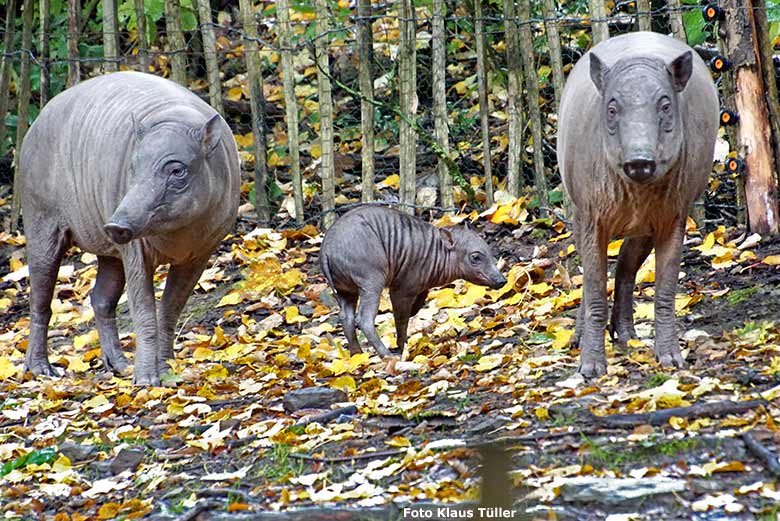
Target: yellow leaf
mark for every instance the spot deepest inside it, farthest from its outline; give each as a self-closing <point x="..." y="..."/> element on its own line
<point x="345" y="383"/>
<point x="316" y="151"/>
<point x="202" y="353"/>
<point x="398" y="441"/>
<point x="216" y="372"/>
<point x="562" y="338"/>
<point x="96" y="402"/>
<point x="7" y="369"/>
<point x="234" y="94"/>
<point x="62" y="463"/>
<point x="231" y="299"/>
<point x="542" y="413"/>
<point x="109" y="511"/>
<point x="391" y="181"/>
<point x="709" y="242"/>
<point x="292" y="316"/>
<point x="76" y="364"/>
<point x="678" y="423"/>
<point x="664" y="396"/>
<point x="540" y="290"/>
<point x="489" y="362"/>
<point x="614" y="248"/>
<point x="358" y="360"/>
<point x="83" y="340"/>
<point x="772" y="260"/>
<point x="5" y="303"/>
<point x="245" y="141"/>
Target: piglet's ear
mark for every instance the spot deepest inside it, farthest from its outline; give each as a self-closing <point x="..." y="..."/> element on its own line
<point x="598" y="72"/>
<point x="210" y="135"/>
<point x="449" y="238"/>
<point x="139" y="129"/>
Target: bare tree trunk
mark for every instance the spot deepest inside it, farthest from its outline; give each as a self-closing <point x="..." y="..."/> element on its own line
<point x="754" y="126"/>
<point x="484" y="108"/>
<point x="74" y="65"/>
<point x="727" y="91"/>
<point x="513" y="100"/>
<point x="5" y="70"/>
<point x="365" y="76"/>
<point x="110" y="36"/>
<point x="598" y="15"/>
<point x="291" y="104"/>
<point x="439" y="72"/>
<point x="643" y="20"/>
<point x="143" y="47"/>
<point x="535" y="114"/>
<point x="676" y="20"/>
<point x="23" y="113"/>
<point x="326" y="116"/>
<point x="763" y="45"/>
<point x="257" y="105"/>
<point x="210" y="53"/>
<point x="174" y="41"/>
<point x="554" y="45"/>
<point x="407" y="85"/>
<point x="43" y="40"/>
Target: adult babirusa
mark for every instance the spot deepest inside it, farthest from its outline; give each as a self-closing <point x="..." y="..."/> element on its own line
<point x="141" y="172"/>
<point x="637" y="129"/>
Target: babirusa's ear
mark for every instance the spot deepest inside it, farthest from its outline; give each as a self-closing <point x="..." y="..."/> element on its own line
<point x="210" y="135"/>
<point x="680" y="70"/>
<point x="598" y="72"/>
<point x="139" y="129"/>
<point x="449" y="238"/>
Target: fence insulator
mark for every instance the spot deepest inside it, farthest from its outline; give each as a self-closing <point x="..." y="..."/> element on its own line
<point x="720" y="63"/>
<point x="728" y="117"/>
<point x="734" y="165"/>
<point x="713" y="13"/>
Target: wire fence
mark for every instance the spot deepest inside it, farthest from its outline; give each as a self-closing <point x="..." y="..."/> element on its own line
<point x="466" y="146"/>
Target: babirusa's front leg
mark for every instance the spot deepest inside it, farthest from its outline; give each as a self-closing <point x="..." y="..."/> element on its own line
<point x="668" y="253"/>
<point x="140" y="296"/>
<point x="593" y="251"/>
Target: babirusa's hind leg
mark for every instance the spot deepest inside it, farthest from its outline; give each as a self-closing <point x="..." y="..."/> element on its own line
<point x="347" y="308"/>
<point x="45" y="249"/>
<point x="109" y="284"/>
<point x="633" y="253"/>
<point x="367" y="310"/>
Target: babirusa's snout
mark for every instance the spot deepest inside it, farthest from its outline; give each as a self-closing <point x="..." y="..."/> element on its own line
<point x="497" y="281"/>
<point x="640" y="168"/>
<point x="120" y="233"/>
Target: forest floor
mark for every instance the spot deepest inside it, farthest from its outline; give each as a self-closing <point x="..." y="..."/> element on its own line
<point x="482" y="366"/>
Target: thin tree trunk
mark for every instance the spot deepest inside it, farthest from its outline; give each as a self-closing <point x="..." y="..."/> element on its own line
<point x="175" y="42"/>
<point x="754" y="126"/>
<point x="513" y="100"/>
<point x="43" y="40"/>
<point x="365" y="77"/>
<point x="407" y="85"/>
<point x="143" y="47"/>
<point x="5" y="70"/>
<point x="598" y="15"/>
<point x="554" y="45"/>
<point x="210" y="53"/>
<point x="291" y="104"/>
<point x="643" y="20"/>
<point x="110" y="36"/>
<point x="676" y="20"/>
<point x="727" y="91"/>
<point x="257" y="106"/>
<point x="74" y="65"/>
<point x="484" y="108"/>
<point x="326" y="116"/>
<point x="763" y="45"/>
<point x="532" y="87"/>
<point x="439" y="72"/>
<point x="22" y="122"/>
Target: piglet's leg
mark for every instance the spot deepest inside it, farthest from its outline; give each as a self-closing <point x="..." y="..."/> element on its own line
<point x="367" y="310"/>
<point x="633" y="253"/>
<point x="593" y="250"/>
<point x="109" y="284"/>
<point x="347" y="307"/>
<point x="45" y="250"/>
<point x="140" y="296"/>
<point x="178" y="288"/>
<point x="668" y="253"/>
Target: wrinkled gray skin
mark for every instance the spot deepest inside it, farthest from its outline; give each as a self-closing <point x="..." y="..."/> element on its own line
<point x="139" y="171"/>
<point x="375" y="247"/>
<point x="637" y="129"/>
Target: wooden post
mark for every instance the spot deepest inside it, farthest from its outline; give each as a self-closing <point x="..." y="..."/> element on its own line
<point x="210" y="53"/>
<point x="365" y="78"/>
<point x="143" y="46"/>
<point x="598" y="15"/>
<point x="5" y="70"/>
<point x="676" y="20"/>
<point x="513" y="99"/>
<point x="257" y="106"/>
<point x="484" y="108"/>
<point x="74" y="65"/>
<point x="439" y="74"/>
<point x="554" y="45"/>
<point x="291" y="103"/>
<point x="328" y="173"/>
<point x="407" y="85"/>
<point x="23" y="113"/>
<point x="727" y="91"/>
<point x="110" y="36"/>
<point x="174" y="42"/>
<point x="643" y="20"/>
<point x="535" y="114"/>
<point x="754" y="126"/>
<point x="43" y="40"/>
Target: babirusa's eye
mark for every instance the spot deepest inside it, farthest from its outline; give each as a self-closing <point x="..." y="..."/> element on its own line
<point x="612" y="109"/>
<point x="475" y="257"/>
<point x="175" y="169"/>
<point x="665" y="104"/>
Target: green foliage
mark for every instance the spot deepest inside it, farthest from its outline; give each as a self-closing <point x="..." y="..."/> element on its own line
<point x="738" y="295"/>
<point x="36" y="457"/>
<point x="695" y="25"/>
